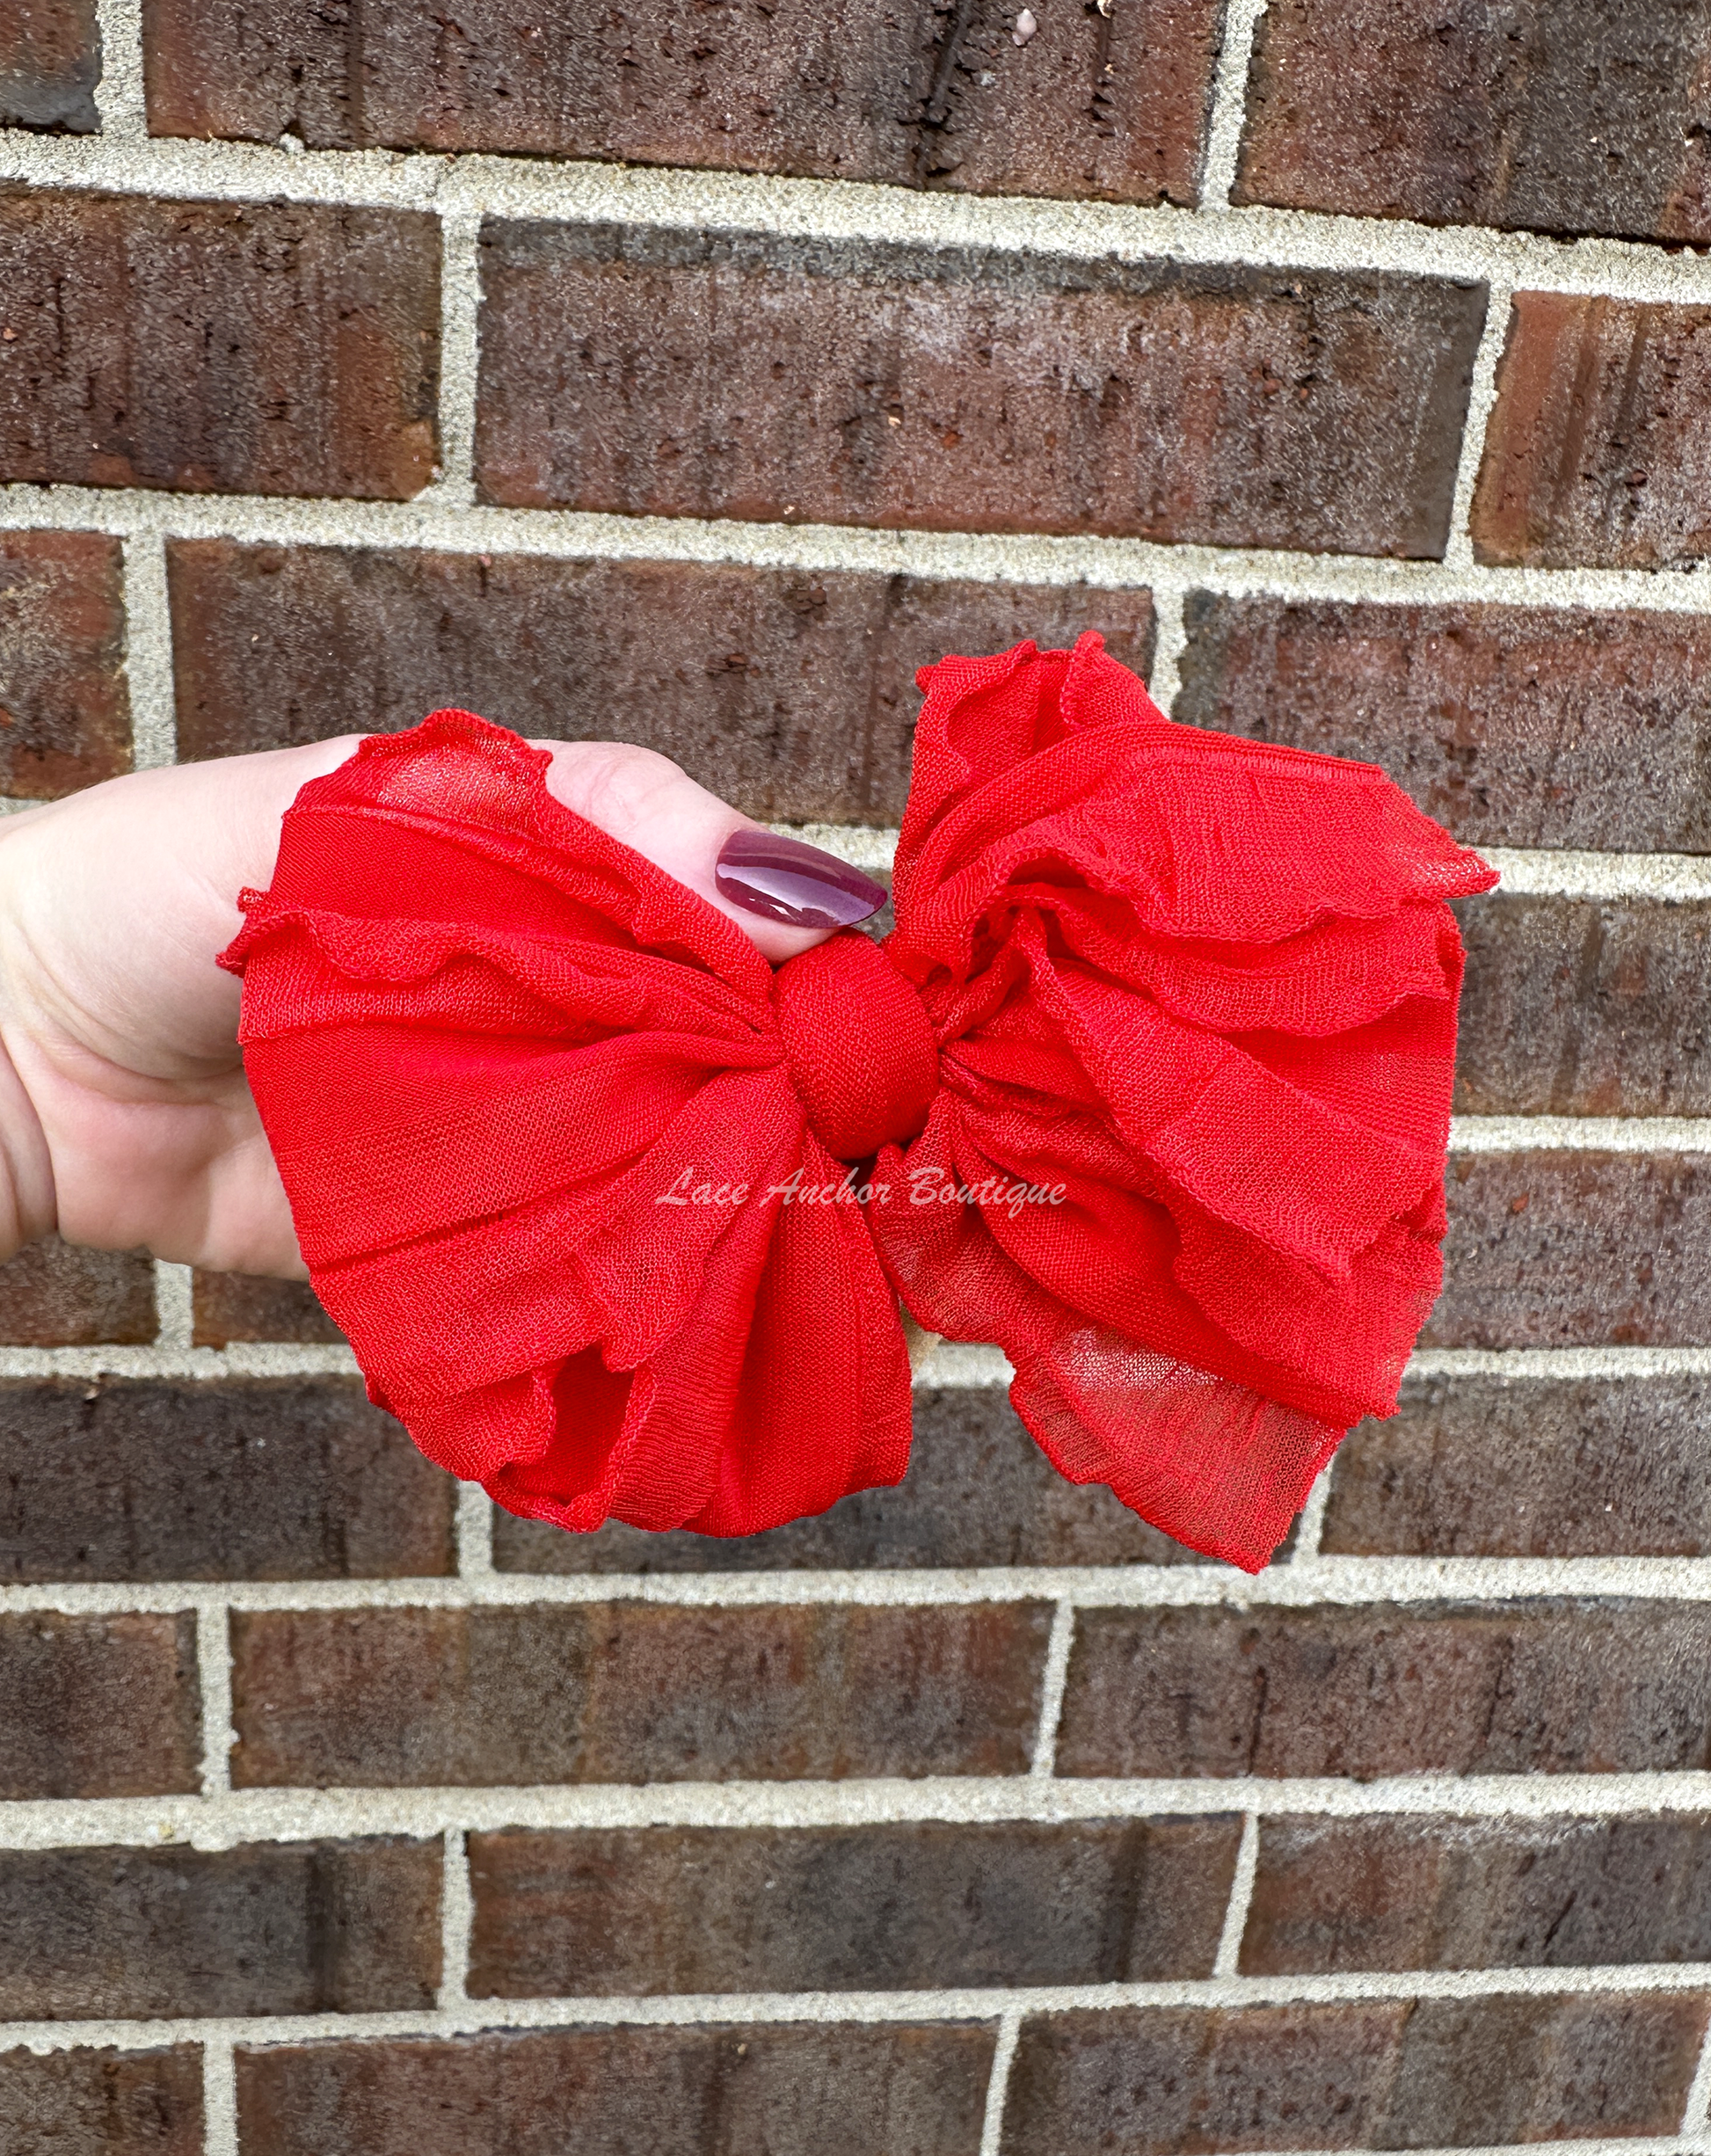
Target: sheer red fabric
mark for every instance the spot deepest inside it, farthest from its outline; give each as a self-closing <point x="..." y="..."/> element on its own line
<point x="1150" y="1086"/>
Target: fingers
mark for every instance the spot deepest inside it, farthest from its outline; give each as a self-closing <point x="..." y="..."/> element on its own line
<point x="785" y="896"/>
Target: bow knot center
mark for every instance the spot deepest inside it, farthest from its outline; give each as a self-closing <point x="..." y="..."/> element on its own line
<point x="858" y="1044"/>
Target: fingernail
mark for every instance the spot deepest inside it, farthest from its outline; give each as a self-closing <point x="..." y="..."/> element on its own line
<point x="785" y="880"/>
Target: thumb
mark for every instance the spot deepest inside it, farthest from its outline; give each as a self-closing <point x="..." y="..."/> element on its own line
<point x="786" y="896"/>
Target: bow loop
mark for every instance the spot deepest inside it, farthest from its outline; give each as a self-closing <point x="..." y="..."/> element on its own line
<point x="858" y="1044"/>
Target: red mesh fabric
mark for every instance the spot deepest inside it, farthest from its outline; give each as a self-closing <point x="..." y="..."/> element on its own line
<point x="858" y="1044"/>
<point x="1156" y="1063"/>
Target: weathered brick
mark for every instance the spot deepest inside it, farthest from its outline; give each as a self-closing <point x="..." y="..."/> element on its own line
<point x="789" y="692"/>
<point x="98" y="1706"/>
<point x="978" y="1492"/>
<point x="252" y="347"/>
<point x="64" y="708"/>
<point x="279" y="1478"/>
<point x="102" y="2103"/>
<point x="1113" y="107"/>
<point x="1599" y="448"/>
<point x="627" y="1691"/>
<point x="1583" y="1007"/>
<point x="1524" y="2069"/>
<point x="791" y="2089"/>
<point x="241" y="1305"/>
<point x="1548" y="115"/>
<point x="1177" y="2082"/>
<point x="1571" y="1249"/>
<point x="1513" y="725"/>
<point x="726" y="375"/>
<point x="1484" y="1467"/>
<point x="272" y="1927"/>
<point x="1545" y="1687"/>
<point x="867" y="1908"/>
<point x="50" y="61"/>
<point x="53" y="1294"/>
<point x="1422" y="1893"/>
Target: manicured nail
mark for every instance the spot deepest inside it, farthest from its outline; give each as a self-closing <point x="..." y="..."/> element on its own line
<point x="785" y="880"/>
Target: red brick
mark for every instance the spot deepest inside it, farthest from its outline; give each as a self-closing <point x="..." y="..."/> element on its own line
<point x="811" y="2089"/>
<point x="97" y="2103"/>
<point x="1484" y="1467"/>
<point x="867" y="1908"/>
<point x="1598" y="449"/>
<point x="277" y="1478"/>
<point x="913" y="95"/>
<point x="1544" y="1687"/>
<point x="1423" y="1893"/>
<point x="1575" y="1248"/>
<point x="99" y="1705"/>
<point x="1525" y="2069"/>
<point x="238" y="1306"/>
<point x="1513" y="725"/>
<point x="64" y="709"/>
<point x="978" y="1492"/>
<point x="250" y="347"/>
<point x="50" y="61"/>
<point x="1180" y="2081"/>
<point x="1547" y="115"/>
<point x="790" y="693"/>
<point x="626" y="1692"/>
<point x="55" y="1295"/>
<point x="724" y="376"/>
<point x="1576" y="1007"/>
<point x="279" y="1927"/>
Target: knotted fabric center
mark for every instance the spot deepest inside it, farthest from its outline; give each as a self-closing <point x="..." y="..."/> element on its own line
<point x="859" y="1045"/>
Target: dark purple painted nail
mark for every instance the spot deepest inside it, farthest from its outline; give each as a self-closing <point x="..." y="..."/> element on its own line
<point x="787" y="881"/>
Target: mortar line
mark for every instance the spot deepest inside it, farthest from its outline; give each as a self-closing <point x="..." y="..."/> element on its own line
<point x="1054" y="1675"/>
<point x="474" y="1531"/>
<point x="456" y="1922"/>
<point x="1323" y="1583"/>
<point x="214" y="1671"/>
<point x="998" y="2083"/>
<point x="119" y="96"/>
<point x="1170" y="639"/>
<point x="1696" y="2112"/>
<point x="219" y="2097"/>
<point x="1228" y="1956"/>
<point x="952" y="1366"/>
<point x="148" y="652"/>
<point x="460" y="308"/>
<point x="174" y="1307"/>
<point x="1311" y="1525"/>
<point x="582" y="191"/>
<point x="964" y="2003"/>
<point x="1482" y="402"/>
<point x="1229" y="106"/>
<point x="1099" y="562"/>
<point x="1579" y="1133"/>
<point x="254" y="1817"/>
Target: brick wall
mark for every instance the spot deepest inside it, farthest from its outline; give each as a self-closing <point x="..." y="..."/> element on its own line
<point x="691" y="372"/>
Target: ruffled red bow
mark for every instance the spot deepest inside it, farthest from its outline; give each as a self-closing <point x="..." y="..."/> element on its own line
<point x="1150" y="1086"/>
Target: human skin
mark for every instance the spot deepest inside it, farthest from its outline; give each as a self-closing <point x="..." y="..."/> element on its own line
<point x="126" y="1122"/>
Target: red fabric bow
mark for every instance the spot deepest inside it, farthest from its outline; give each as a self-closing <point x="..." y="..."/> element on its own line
<point x="1151" y="1084"/>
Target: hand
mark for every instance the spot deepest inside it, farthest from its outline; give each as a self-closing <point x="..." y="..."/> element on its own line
<point x="125" y="1118"/>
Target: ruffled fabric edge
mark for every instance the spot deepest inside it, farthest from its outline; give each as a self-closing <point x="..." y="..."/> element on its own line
<point x="1222" y="1462"/>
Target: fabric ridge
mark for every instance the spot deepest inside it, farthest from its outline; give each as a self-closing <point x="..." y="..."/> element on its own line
<point x="1149" y="1086"/>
